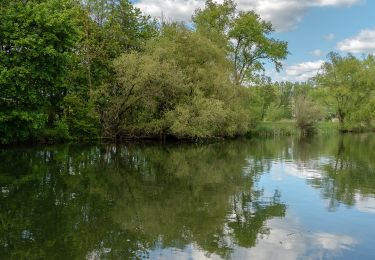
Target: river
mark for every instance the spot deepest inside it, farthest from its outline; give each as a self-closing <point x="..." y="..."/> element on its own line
<point x="284" y="198"/>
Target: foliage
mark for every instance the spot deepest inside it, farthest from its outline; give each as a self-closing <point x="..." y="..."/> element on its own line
<point x="59" y="131"/>
<point x="348" y="84"/>
<point x="81" y="118"/>
<point x="108" y="29"/>
<point x="36" y="48"/>
<point x="246" y="36"/>
<point x="307" y="114"/>
<point x="179" y="86"/>
<point x="52" y="51"/>
<point x="18" y="125"/>
<point x="275" y="113"/>
<point x="100" y="68"/>
<point x="274" y="129"/>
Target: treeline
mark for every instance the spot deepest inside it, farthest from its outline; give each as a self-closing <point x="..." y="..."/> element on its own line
<point x="55" y="55"/>
<point x="87" y="69"/>
<point x="342" y="93"/>
<point x="100" y="68"/>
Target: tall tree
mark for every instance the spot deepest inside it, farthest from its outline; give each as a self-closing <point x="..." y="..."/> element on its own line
<point x="348" y="83"/>
<point x="110" y="28"/>
<point x="37" y="43"/>
<point x="246" y="36"/>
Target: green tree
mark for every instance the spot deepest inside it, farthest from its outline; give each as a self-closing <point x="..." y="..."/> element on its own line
<point x="246" y="36"/>
<point x="348" y="83"/>
<point x="37" y="41"/>
<point x="179" y="86"/>
<point x="109" y="28"/>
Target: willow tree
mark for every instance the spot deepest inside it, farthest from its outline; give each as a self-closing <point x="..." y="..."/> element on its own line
<point x="179" y="86"/>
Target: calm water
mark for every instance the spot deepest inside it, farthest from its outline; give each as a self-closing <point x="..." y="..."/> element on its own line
<point x="258" y="199"/>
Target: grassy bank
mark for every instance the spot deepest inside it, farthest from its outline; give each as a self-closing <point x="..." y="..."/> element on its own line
<point x="268" y="129"/>
<point x="289" y="128"/>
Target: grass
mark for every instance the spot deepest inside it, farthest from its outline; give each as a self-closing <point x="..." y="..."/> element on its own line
<point x="281" y="128"/>
<point x="328" y="128"/>
<point x="289" y="128"/>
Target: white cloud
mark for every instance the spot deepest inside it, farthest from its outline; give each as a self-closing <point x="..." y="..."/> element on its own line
<point x="329" y="37"/>
<point x="302" y="71"/>
<point x="317" y="53"/>
<point x="335" y="2"/>
<point x="284" y="14"/>
<point x="364" y="42"/>
<point x="179" y="10"/>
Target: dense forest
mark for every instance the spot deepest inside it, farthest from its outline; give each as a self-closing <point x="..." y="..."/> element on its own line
<point x="89" y="69"/>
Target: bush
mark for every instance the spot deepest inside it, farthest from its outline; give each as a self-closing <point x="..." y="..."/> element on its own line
<point x="275" y="113"/>
<point x="59" y="132"/>
<point x="307" y="114"/>
<point x="18" y="126"/>
<point x="266" y="129"/>
<point x="80" y="117"/>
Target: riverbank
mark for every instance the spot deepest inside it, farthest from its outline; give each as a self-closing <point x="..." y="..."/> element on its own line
<point x="263" y="129"/>
<point x="289" y="128"/>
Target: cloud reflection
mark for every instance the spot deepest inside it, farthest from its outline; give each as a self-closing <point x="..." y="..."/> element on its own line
<point x="287" y="240"/>
<point x="365" y="204"/>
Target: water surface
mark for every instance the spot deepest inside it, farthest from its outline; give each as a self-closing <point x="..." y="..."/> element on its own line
<point x="247" y="199"/>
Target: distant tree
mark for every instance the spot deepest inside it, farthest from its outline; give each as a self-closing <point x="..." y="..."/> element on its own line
<point x="348" y="83"/>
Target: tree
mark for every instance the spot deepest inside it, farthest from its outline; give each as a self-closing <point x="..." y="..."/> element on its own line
<point x="109" y="28"/>
<point x="346" y="81"/>
<point x="215" y="20"/>
<point x="138" y="97"/>
<point x="180" y="85"/>
<point x="37" y="41"/>
<point x="246" y="36"/>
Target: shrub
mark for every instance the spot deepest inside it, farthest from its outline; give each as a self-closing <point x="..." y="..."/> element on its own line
<point x="307" y="114"/>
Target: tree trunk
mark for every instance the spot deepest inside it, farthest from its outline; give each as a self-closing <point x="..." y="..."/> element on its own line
<point x="341" y="117"/>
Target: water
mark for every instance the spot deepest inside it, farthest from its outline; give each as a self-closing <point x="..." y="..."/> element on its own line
<point x="246" y="199"/>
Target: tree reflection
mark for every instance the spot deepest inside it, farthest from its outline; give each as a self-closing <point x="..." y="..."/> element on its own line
<point x="345" y="163"/>
<point x="123" y="201"/>
<point x="350" y="170"/>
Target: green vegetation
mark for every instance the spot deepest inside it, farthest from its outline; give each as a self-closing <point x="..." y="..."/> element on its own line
<point x="178" y="86"/>
<point x="269" y="129"/>
<point x="348" y="88"/>
<point x="78" y="70"/>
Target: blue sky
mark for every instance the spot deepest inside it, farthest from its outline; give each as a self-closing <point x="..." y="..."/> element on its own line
<point x="322" y="29"/>
<point x="311" y="27"/>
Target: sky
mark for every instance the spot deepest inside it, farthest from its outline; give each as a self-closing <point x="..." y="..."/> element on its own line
<point x="312" y="28"/>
